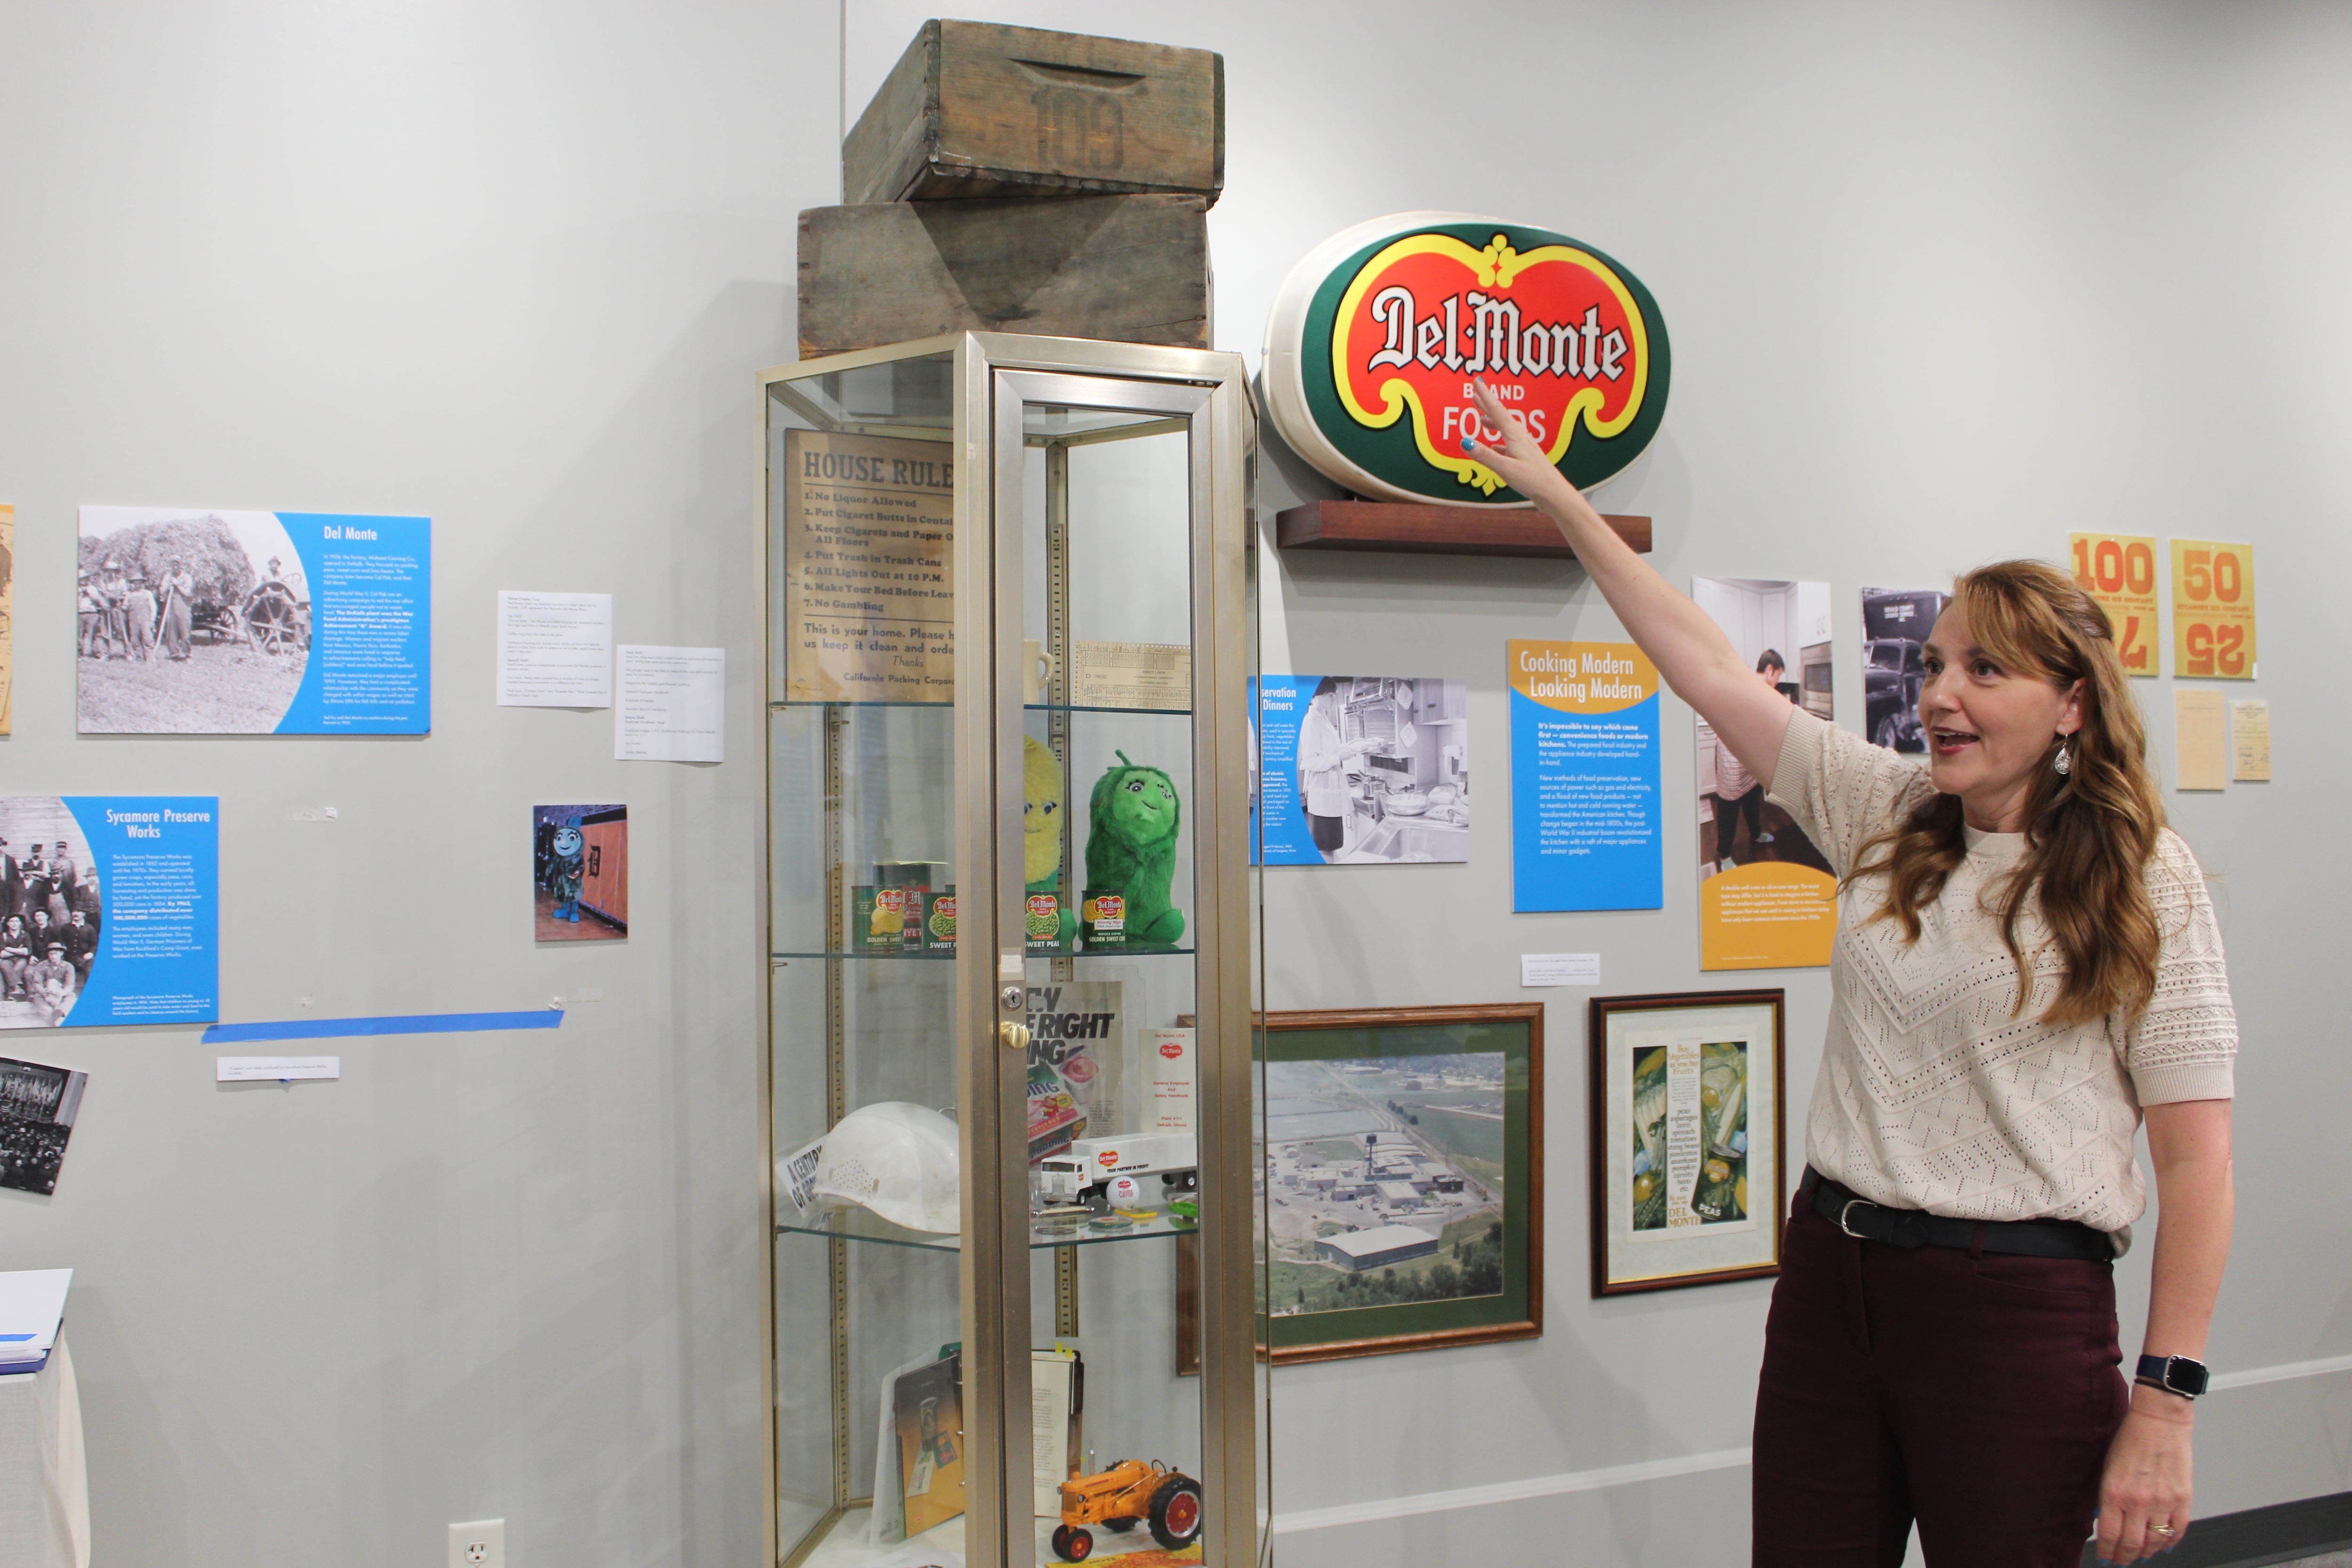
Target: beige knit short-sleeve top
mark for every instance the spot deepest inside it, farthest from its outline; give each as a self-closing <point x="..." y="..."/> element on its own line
<point x="1936" y="1091"/>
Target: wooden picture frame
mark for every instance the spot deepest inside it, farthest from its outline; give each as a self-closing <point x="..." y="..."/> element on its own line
<point x="1688" y="1197"/>
<point x="1474" y="1166"/>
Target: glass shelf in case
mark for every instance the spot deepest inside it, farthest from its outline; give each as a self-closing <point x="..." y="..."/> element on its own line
<point x="1026" y="707"/>
<point x="861" y="1225"/>
<point x="887" y="956"/>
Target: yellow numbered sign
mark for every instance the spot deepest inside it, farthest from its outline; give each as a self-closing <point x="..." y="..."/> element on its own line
<point x="2212" y="609"/>
<point x="2119" y="570"/>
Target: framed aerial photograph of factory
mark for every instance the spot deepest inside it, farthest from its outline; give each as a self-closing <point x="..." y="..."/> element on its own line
<point x="1690" y="1155"/>
<point x="1404" y="1170"/>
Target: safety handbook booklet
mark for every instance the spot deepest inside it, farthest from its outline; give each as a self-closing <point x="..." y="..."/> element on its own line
<point x="32" y="1308"/>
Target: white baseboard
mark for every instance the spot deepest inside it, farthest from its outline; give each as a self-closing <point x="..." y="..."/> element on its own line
<point x="1660" y="1470"/>
<point x="1507" y="1491"/>
<point x="2293" y="1369"/>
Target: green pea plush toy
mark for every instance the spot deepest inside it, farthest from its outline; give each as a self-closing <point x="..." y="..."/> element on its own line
<point x="1131" y="848"/>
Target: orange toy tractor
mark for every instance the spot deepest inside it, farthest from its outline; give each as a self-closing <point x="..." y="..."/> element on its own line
<point x="1128" y="1493"/>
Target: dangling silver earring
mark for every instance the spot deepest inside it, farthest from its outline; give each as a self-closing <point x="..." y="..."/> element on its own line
<point x="2064" y="764"/>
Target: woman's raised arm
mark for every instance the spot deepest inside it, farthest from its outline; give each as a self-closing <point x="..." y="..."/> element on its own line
<point x="1689" y="650"/>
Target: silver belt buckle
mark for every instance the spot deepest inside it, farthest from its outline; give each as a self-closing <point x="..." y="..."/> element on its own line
<point x="1847" y="1209"/>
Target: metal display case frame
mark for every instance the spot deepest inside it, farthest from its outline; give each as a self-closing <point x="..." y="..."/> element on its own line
<point x="997" y="381"/>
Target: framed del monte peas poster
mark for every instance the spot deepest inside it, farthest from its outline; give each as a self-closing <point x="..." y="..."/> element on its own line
<point x="1688" y="1139"/>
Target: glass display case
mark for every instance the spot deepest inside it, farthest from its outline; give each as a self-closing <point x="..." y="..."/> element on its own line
<point x="1018" y="1259"/>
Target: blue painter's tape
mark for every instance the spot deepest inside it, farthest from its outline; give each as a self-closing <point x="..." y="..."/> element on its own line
<point x="414" y="1024"/>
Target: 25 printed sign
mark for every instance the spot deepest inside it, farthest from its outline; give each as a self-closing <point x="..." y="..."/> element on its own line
<point x="2214" y="609"/>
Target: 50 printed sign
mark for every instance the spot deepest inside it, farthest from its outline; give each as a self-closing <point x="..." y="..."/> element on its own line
<point x="2214" y="609"/>
<point x="2119" y="570"/>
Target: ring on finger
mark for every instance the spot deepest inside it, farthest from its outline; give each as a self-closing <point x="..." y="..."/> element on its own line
<point x="2160" y="1530"/>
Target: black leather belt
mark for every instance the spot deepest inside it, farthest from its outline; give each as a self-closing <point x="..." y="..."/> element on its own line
<point x="1859" y="1217"/>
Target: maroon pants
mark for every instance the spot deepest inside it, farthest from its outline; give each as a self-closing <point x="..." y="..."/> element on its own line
<point x="1973" y="1392"/>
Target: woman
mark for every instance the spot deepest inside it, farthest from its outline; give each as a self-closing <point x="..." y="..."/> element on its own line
<point x="179" y="595"/>
<point x="1738" y="792"/>
<point x="1323" y="758"/>
<point x="2027" y="967"/>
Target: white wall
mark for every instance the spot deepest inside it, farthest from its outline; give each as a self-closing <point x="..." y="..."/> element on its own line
<point x="1927" y="273"/>
<point x="511" y="266"/>
<point x="1942" y="282"/>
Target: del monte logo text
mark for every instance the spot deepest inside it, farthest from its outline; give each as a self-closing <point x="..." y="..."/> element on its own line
<point x="1378" y="334"/>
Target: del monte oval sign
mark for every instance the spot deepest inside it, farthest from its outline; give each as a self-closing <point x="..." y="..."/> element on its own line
<point x="1375" y="335"/>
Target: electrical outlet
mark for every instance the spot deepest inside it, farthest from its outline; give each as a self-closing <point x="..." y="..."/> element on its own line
<point x="481" y="1544"/>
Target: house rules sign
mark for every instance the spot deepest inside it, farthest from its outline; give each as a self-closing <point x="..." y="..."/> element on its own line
<point x="1377" y="335"/>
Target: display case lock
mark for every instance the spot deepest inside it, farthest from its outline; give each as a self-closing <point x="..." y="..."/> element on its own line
<point x="1013" y="1036"/>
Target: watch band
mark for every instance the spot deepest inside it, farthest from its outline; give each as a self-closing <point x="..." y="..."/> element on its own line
<point x="2175" y="1375"/>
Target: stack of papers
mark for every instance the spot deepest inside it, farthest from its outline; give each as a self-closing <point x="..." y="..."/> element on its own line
<point x="32" y="1310"/>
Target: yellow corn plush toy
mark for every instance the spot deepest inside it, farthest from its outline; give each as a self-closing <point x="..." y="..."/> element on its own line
<point x="1041" y="816"/>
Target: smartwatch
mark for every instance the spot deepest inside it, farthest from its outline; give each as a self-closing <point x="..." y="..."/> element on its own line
<point x="2174" y="1375"/>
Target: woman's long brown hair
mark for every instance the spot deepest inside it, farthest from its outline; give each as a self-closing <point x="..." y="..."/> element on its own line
<point x="2090" y="831"/>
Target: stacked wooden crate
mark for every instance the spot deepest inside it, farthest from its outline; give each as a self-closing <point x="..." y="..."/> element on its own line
<point x="1010" y="179"/>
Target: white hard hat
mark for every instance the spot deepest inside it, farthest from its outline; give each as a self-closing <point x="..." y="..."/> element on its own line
<point x="896" y="1158"/>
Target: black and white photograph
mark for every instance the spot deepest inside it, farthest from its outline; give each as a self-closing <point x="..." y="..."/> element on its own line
<point x="37" y="1106"/>
<point x="1895" y="627"/>
<point x="189" y="622"/>
<point x="50" y="911"/>
<point x="1363" y="769"/>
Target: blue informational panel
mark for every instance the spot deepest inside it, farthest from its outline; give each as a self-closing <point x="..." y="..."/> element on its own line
<point x="1277" y="823"/>
<point x="253" y="623"/>
<point x="110" y="910"/>
<point x="1585" y="818"/>
<point x="370" y="669"/>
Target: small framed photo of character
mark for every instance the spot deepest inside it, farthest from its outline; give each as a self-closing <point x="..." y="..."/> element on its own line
<point x="1690" y="1171"/>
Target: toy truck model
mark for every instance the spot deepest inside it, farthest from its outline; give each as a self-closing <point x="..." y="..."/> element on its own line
<point x="1117" y="1499"/>
<point x="1086" y="1166"/>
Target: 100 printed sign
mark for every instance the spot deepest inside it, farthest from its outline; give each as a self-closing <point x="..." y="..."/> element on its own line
<point x="2119" y="570"/>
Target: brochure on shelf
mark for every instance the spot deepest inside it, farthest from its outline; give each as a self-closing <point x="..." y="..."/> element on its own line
<point x="1077" y="1049"/>
<point x="32" y="1312"/>
<point x="927" y="1429"/>
<point x="1056" y="1408"/>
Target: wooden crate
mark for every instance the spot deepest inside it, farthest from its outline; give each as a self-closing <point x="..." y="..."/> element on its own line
<point x="1128" y="270"/>
<point x="979" y="109"/>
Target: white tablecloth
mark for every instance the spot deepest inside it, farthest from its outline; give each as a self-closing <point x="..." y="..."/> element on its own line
<point x="44" y="1482"/>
